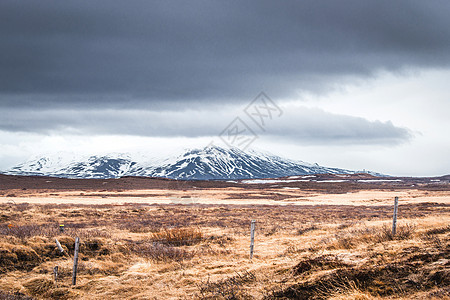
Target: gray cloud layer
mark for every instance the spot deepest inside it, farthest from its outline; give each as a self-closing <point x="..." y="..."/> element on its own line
<point x="147" y="67"/>
<point x="82" y="54"/>
<point x="303" y="125"/>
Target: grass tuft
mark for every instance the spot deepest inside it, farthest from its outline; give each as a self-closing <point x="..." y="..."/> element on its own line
<point x="178" y="236"/>
<point x="161" y="252"/>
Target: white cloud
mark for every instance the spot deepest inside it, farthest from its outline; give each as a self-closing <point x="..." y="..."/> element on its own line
<point x="416" y="100"/>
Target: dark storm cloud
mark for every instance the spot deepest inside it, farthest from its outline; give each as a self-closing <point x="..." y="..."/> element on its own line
<point x="150" y="54"/>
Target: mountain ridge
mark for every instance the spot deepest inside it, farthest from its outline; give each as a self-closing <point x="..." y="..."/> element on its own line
<point x="209" y="163"/>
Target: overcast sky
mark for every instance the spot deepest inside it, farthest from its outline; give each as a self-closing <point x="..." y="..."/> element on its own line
<point x="356" y="84"/>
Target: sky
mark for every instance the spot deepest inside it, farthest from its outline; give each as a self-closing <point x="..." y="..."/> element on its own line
<point x="349" y="84"/>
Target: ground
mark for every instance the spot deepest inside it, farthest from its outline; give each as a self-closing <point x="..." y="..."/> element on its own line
<point x="161" y="239"/>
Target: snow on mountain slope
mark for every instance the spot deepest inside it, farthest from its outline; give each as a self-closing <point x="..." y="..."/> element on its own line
<point x="69" y="166"/>
<point x="221" y="163"/>
<point x="207" y="163"/>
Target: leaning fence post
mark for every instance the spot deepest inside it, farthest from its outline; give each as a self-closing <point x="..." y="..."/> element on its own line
<point x="252" y="238"/>
<point x="75" y="261"/>
<point x="394" y="221"/>
<point x="59" y="246"/>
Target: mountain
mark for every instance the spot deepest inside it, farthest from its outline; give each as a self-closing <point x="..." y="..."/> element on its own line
<point x="221" y="163"/>
<point x="87" y="167"/>
<point x="207" y="163"/>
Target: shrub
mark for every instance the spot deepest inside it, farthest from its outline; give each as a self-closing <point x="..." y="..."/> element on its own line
<point x="26" y="231"/>
<point x="403" y="232"/>
<point x="178" y="236"/>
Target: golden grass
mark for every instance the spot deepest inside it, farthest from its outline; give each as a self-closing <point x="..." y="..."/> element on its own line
<point x="178" y="236"/>
<point x="202" y="252"/>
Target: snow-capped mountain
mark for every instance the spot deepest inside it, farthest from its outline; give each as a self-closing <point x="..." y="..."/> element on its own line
<point x="111" y="166"/>
<point x="207" y="163"/>
<point x="221" y="163"/>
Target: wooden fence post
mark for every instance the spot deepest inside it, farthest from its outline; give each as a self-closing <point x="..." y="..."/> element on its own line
<point x="394" y="221"/>
<point x="75" y="261"/>
<point x="252" y="238"/>
<point x="55" y="272"/>
<point x="59" y="246"/>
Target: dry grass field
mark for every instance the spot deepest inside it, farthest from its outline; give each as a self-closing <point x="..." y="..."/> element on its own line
<point x="152" y="248"/>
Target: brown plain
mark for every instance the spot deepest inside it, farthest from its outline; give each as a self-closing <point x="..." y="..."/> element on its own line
<point x="147" y="238"/>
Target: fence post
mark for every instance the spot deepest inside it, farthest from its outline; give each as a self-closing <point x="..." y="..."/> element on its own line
<point x="59" y="246"/>
<point x="55" y="272"/>
<point x="75" y="261"/>
<point x="394" y="221"/>
<point x="252" y="238"/>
